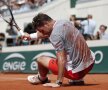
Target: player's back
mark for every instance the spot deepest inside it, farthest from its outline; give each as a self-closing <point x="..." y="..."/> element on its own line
<point x="66" y="36"/>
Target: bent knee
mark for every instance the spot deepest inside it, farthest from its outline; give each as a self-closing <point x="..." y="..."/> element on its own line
<point x="43" y="59"/>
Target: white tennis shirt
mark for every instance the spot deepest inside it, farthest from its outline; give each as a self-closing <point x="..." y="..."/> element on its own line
<point x="65" y="36"/>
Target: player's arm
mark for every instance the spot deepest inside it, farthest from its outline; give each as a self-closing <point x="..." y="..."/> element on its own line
<point x="61" y="56"/>
<point x="36" y="35"/>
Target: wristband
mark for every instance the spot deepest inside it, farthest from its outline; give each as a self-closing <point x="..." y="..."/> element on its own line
<point x="21" y="33"/>
<point x="59" y="82"/>
<point x="33" y="35"/>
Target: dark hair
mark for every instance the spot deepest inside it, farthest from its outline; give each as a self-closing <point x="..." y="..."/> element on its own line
<point x="2" y="35"/>
<point x="29" y="28"/>
<point x="103" y="26"/>
<point x="72" y="16"/>
<point x="40" y="19"/>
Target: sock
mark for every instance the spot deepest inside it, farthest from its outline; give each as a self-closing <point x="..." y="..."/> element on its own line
<point x="42" y="78"/>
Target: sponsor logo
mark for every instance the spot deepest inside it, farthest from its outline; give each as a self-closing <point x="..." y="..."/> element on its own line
<point x="98" y="57"/>
<point x="11" y="64"/>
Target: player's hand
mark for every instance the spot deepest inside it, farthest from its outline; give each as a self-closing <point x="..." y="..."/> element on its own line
<point x="26" y="36"/>
<point x="51" y="85"/>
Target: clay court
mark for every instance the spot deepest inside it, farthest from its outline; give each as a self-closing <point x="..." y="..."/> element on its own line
<point x="19" y="82"/>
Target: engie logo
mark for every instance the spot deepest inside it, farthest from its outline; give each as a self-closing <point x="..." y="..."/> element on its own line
<point x="34" y="64"/>
<point x="14" y="62"/>
<point x="98" y="57"/>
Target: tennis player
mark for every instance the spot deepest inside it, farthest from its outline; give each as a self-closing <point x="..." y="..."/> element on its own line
<point x="74" y="58"/>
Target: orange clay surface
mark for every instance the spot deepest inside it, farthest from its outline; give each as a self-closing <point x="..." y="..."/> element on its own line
<point x="19" y="82"/>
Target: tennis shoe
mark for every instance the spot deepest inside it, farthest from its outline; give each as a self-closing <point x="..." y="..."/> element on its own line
<point x="76" y="82"/>
<point x="35" y="79"/>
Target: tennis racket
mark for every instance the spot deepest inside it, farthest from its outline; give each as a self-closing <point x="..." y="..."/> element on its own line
<point x="7" y="15"/>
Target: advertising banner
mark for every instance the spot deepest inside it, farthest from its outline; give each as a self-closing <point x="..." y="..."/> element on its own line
<point x="25" y="61"/>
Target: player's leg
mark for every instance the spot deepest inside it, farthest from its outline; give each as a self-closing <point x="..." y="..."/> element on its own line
<point x="77" y="78"/>
<point x="43" y="64"/>
<point x="80" y="75"/>
<point x="41" y="77"/>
